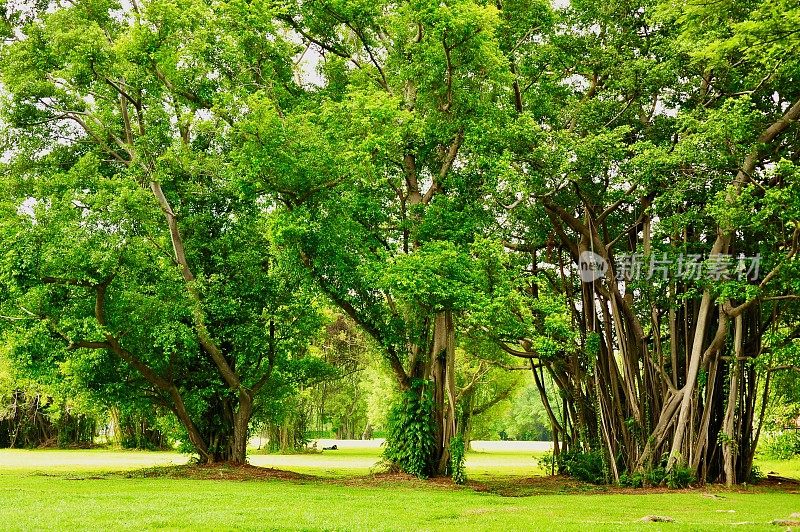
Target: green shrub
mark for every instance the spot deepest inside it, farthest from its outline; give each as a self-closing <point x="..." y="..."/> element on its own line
<point x="457" y="467"/>
<point x="632" y="480"/>
<point x="410" y="432"/>
<point x="547" y="463"/>
<point x="655" y="476"/>
<point x="586" y="466"/>
<point x="782" y="445"/>
<point x="756" y="475"/>
<point x="680" y="477"/>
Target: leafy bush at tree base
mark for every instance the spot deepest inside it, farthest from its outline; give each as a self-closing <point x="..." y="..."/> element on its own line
<point x="409" y="442"/>
<point x="677" y="478"/>
<point x="586" y="466"/>
<point x="457" y="466"/>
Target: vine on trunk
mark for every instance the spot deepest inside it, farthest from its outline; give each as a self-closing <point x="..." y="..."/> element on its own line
<point x="410" y="439"/>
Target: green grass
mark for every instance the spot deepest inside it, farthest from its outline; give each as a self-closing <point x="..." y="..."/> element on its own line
<point x="329" y="464"/>
<point x="94" y="460"/>
<point x="68" y="489"/>
<point x="784" y="468"/>
<point x="353" y="462"/>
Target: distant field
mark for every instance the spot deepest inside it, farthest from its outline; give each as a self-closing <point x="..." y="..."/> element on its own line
<point x="47" y="460"/>
<point x="341" y="463"/>
<point x="60" y="489"/>
<point x="357" y="459"/>
<point x="784" y="468"/>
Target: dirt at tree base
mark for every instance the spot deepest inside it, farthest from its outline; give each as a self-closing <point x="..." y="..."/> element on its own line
<point x="502" y="486"/>
<point x="224" y="471"/>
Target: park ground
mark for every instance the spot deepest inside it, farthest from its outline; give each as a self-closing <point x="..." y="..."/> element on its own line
<point x="346" y="490"/>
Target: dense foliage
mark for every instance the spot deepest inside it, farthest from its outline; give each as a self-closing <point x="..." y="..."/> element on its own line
<point x="410" y="437"/>
<point x="231" y="208"/>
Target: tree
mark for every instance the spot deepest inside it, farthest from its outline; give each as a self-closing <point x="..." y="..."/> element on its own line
<point x="183" y="182"/>
<point x="340" y="402"/>
<point x="129" y="246"/>
<point x="480" y="387"/>
<point x="381" y="181"/>
<point x="48" y="408"/>
<point x="671" y="139"/>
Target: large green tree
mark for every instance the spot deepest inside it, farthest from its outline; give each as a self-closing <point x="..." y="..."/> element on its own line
<point x="672" y="134"/>
<point x="382" y="181"/>
<point x="127" y="241"/>
<point x="176" y="173"/>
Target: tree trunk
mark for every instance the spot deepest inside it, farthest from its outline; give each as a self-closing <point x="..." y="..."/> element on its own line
<point x="241" y="422"/>
<point x="729" y="444"/>
<point x="687" y="392"/>
<point x="442" y="374"/>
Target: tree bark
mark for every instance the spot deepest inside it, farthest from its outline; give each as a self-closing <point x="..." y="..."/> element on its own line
<point x="241" y="423"/>
<point x="729" y="444"/>
<point x="442" y="374"/>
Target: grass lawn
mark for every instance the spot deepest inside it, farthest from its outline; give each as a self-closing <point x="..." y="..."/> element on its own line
<point x="85" y="490"/>
<point x="784" y="468"/>
<point x="352" y="462"/>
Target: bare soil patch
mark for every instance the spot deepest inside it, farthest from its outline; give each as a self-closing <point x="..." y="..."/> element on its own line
<point x="502" y="486"/>
<point x="240" y="472"/>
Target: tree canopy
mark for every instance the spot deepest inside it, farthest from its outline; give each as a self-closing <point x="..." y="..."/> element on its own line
<point x="190" y="188"/>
